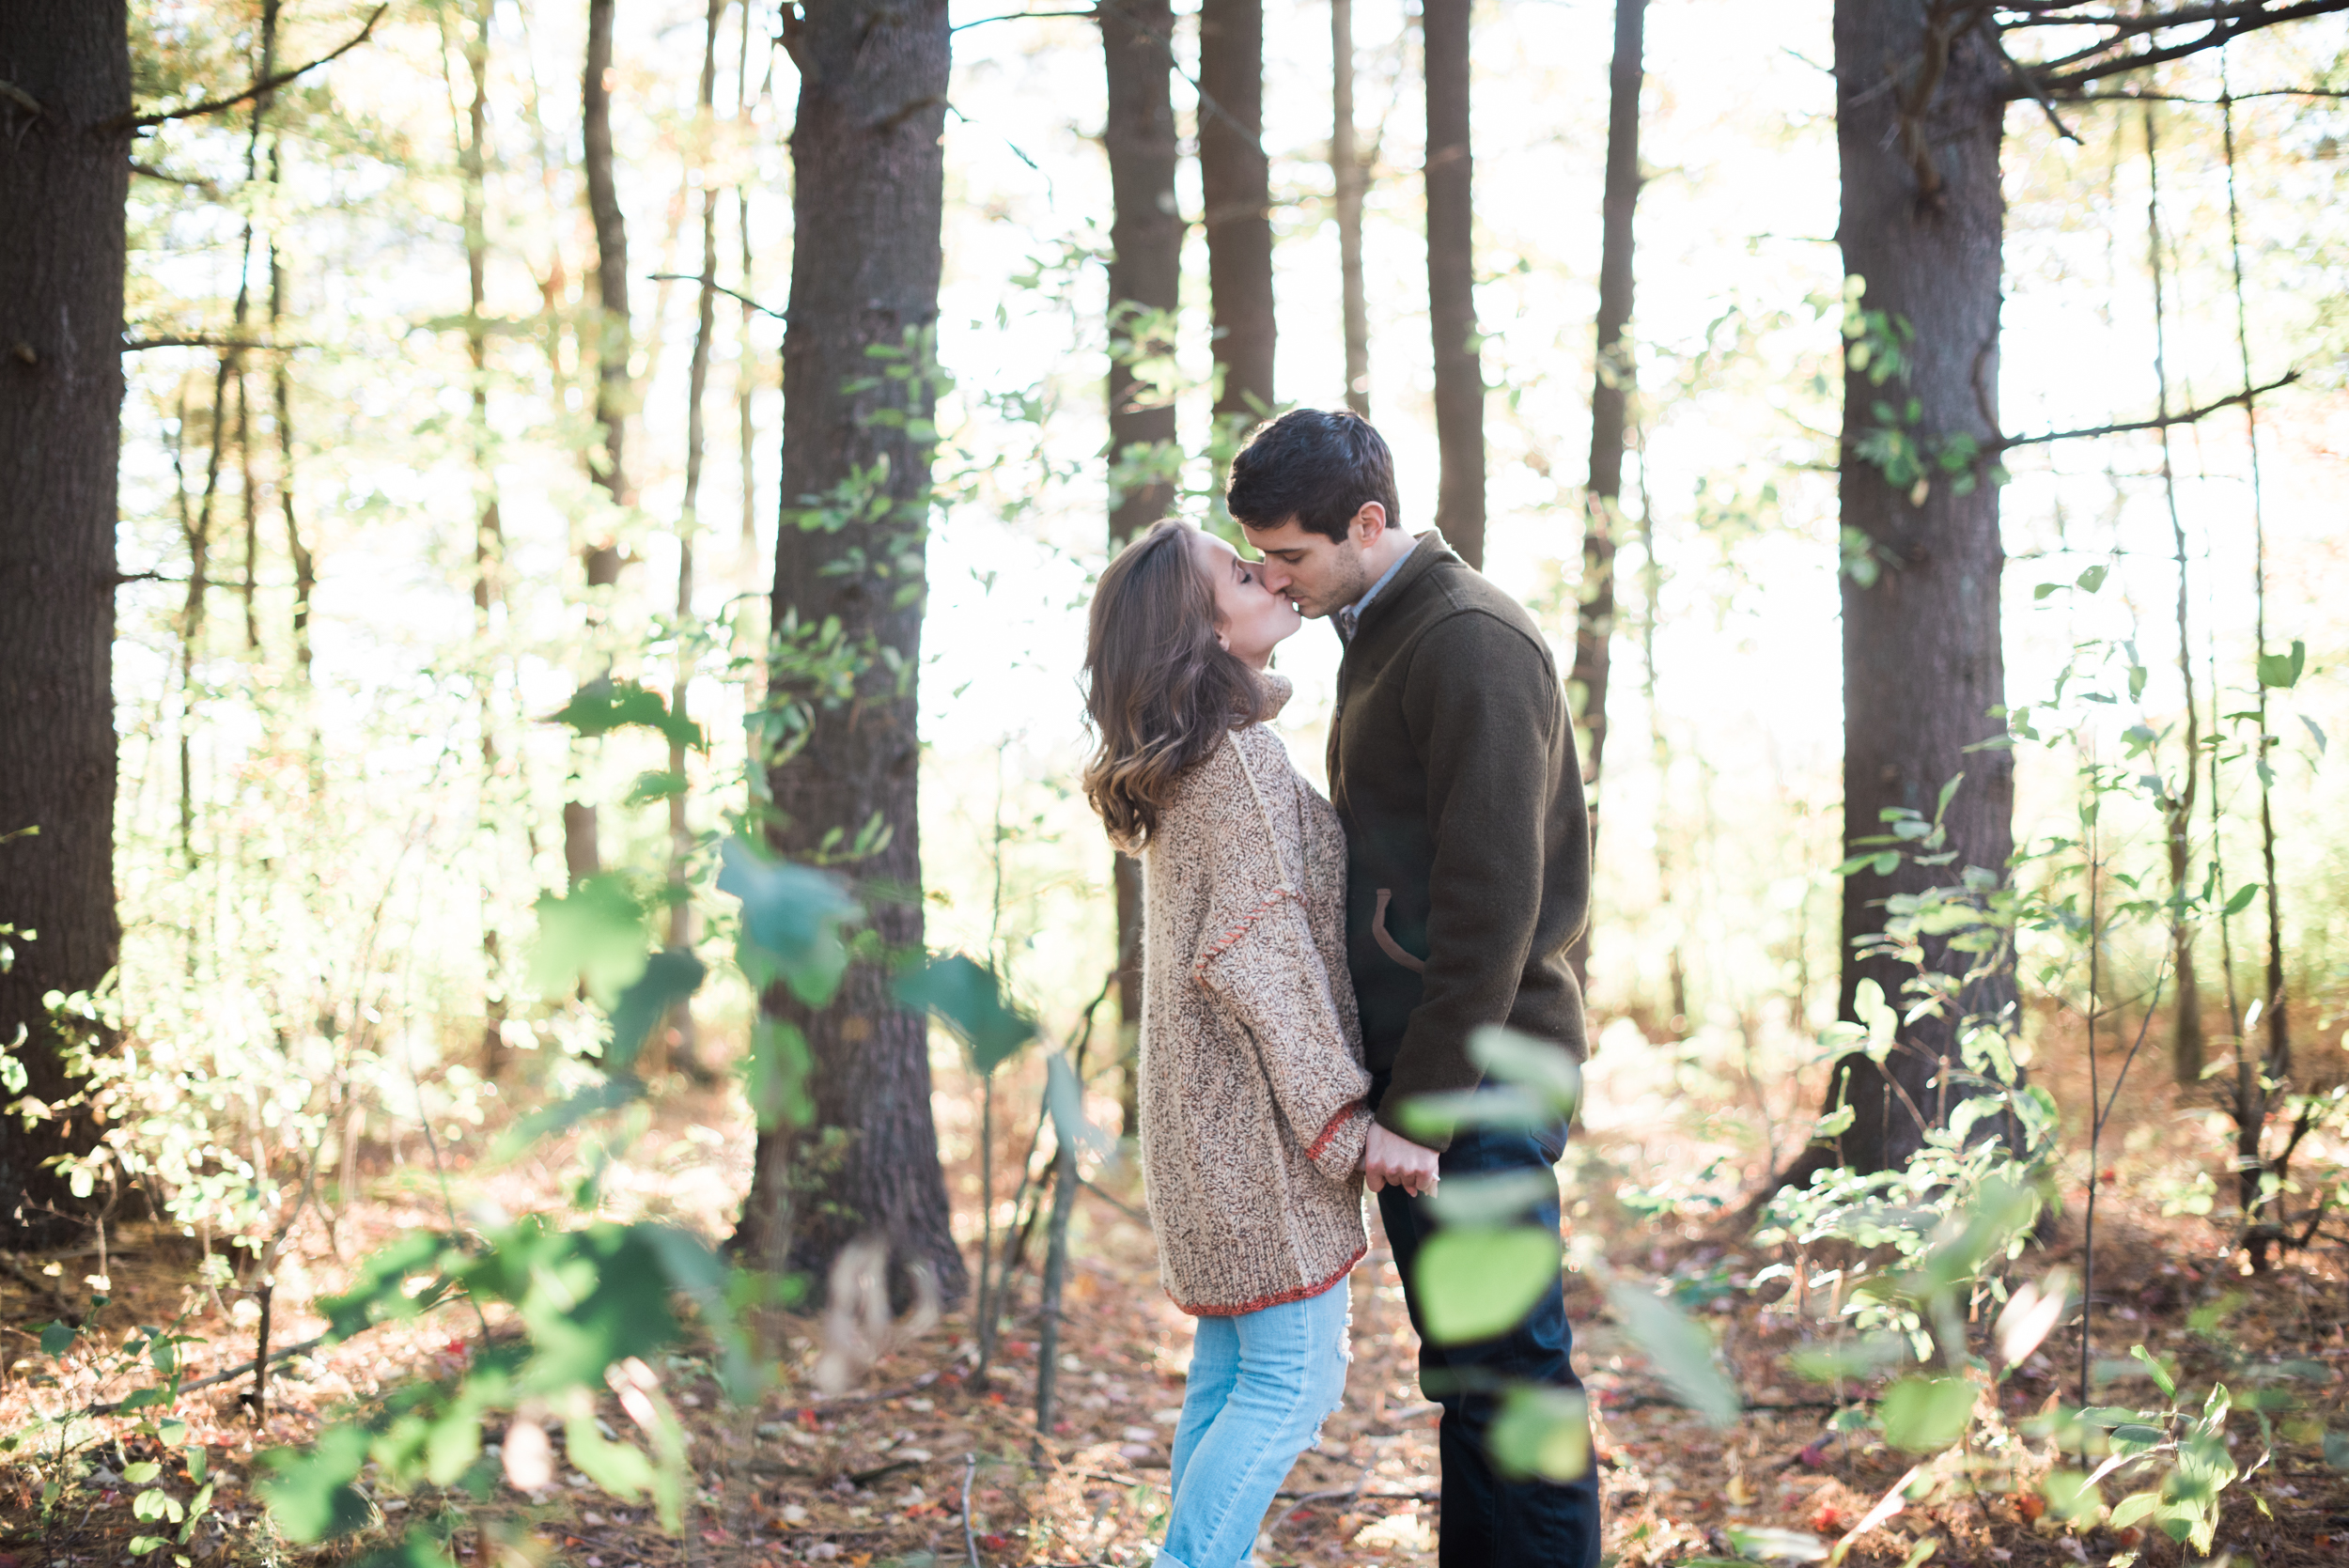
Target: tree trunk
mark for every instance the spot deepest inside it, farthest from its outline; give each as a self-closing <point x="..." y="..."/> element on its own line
<point x="2185" y="1033"/>
<point x="488" y="544"/>
<point x="1923" y="662"/>
<point x="1235" y="185"/>
<point x="1452" y="283"/>
<point x="60" y="437"/>
<point x="1610" y="394"/>
<point x="1146" y="278"/>
<point x="1349" y="179"/>
<point x="867" y="192"/>
<point x="686" y="1054"/>
<point x="582" y="857"/>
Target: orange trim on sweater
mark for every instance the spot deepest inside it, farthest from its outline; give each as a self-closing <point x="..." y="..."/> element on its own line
<point x="1300" y="1293"/>
<point x="1335" y="1125"/>
<point x="1223" y="942"/>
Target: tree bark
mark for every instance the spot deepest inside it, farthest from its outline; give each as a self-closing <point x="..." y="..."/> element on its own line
<point x="867" y="193"/>
<point x="1349" y="179"/>
<point x="1923" y="662"/>
<point x="61" y="280"/>
<point x="1235" y="185"/>
<point x="1610" y="394"/>
<point x="1145" y="279"/>
<point x="582" y="855"/>
<point x="1452" y="283"/>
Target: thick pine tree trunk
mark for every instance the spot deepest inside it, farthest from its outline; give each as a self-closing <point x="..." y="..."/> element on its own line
<point x="64" y="180"/>
<point x="1923" y="663"/>
<point x="1236" y="184"/>
<point x="1452" y="283"/>
<point x="1611" y="398"/>
<point x="1145" y="276"/>
<point x="867" y="191"/>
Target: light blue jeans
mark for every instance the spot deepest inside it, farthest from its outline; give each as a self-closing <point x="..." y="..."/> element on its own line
<point x="1260" y="1385"/>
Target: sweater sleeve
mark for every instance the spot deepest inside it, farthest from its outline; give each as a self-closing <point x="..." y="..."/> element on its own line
<point x="1484" y="710"/>
<point x="1257" y="959"/>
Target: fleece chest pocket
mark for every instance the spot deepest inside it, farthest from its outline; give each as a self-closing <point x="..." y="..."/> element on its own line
<point x="1385" y="939"/>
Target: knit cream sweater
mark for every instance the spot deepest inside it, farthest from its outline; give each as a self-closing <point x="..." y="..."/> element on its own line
<point x="1252" y="1084"/>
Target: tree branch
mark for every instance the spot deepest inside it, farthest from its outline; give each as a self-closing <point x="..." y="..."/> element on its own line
<point x="721" y="289"/>
<point x="2189" y="417"/>
<point x="267" y="84"/>
<point x="132" y="345"/>
<point x="19" y="97"/>
<point x="2226" y="20"/>
<point x="218" y="1378"/>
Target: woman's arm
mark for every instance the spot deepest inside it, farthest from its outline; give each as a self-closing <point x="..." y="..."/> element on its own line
<point x="1259" y="962"/>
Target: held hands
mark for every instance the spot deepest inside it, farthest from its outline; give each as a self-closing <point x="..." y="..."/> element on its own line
<point x="1388" y="1159"/>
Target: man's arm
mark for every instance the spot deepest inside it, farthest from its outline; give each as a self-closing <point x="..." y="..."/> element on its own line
<point x="1485" y="710"/>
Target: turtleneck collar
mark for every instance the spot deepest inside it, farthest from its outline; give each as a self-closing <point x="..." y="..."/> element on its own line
<point x="1278" y="689"/>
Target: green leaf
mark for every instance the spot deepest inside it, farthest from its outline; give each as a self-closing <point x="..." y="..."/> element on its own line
<point x="140" y="1474"/>
<point x="1680" y="1351"/>
<point x="2069" y="1495"/>
<point x="1489" y="1200"/>
<point x="595" y="932"/>
<point x="2316" y="733"/>
<point x="2282" y="669"/>
<point x="142" y="1545"/>
<point x="378" y="1289"/>
<point x="1926" y="1414"/>
<point x="416" y="1550"/>
<point x="2044" y="589"/>
<point x="1539" y="1066"/>
<point x="2162" y="1379"/>
<point x="1855" y="1358"/>
<point x="2337" y="1450"/>
<point x="1509" y="1107"/>
<point x="670" y="977"/>
<point x="2093" y="579"/>
<point x="2133" y="1508"/>
<point x="2241" y="899"/>
<point x="651" y="786"/>
<point x="604" y="704"/>
<point x="1474" y="1284"/>
<point x="310" y="1492"/>
<point x="1064" y="1095"/>
<point x="1541" y="1431"/>
<point x="791" y="920"/>
<point x="57" y="1338"/>
<point x="1835" y="1122"/>
<point x="965" y="995"/>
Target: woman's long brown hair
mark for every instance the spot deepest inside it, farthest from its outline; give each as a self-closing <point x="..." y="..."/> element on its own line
<point x="1162" y="692"/>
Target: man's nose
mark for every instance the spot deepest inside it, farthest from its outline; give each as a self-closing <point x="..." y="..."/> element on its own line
<point x="1275" y="575"/>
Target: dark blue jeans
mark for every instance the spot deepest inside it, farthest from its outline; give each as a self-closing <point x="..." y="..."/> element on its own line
<point x="1488" y="1521"/>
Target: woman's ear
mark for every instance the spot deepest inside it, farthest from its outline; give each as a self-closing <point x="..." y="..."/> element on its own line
<point x="1223" y="642"/>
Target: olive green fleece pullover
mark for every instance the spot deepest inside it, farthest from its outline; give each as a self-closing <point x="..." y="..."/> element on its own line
<point x="1452" y="767"/>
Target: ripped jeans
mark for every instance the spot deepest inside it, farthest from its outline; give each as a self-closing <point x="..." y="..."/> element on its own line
<point x="1260" y="1385"/>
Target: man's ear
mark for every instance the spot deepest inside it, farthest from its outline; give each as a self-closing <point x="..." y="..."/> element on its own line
<point x="1369" y="523"/>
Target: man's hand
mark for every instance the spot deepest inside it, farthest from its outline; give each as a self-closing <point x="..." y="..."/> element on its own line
<point x="1389" y="1159"/>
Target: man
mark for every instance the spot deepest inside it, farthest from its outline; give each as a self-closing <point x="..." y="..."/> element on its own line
<point x="1452" y="764"/>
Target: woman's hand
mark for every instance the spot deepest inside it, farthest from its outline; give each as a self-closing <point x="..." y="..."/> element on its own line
<point x="1389" y="1158"/>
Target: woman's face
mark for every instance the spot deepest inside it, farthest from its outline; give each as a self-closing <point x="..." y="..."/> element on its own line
<point x="1249" y="618"/>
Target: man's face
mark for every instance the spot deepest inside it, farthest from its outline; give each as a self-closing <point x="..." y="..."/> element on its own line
<point x="1319" y="574"/>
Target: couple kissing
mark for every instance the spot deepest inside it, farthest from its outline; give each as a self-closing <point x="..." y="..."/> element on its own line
<point x="1310" y="965"/>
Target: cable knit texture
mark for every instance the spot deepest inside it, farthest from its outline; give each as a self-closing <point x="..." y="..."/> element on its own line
<point x="1252" y="1084"/>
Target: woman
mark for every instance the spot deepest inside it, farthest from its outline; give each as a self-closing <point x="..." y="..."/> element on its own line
<point x="1253" y="1111"/>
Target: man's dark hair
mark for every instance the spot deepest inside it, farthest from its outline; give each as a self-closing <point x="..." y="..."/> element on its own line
<point x="1318" y="466"/>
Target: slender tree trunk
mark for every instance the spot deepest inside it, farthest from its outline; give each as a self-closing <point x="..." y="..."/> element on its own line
<point x="281" y="390"/>
<point x="2186" y="1036"/>
<point x="249" y="499"/>
<point x="1610" y="396"/>
<point x="1236" y="186"/>
<point x="688" y="526"/>
<point x="1349" y="179"/>
<point x="488" y="541"/>
<point x="60" y="440"/>
<point x="582" y="855"/>
<point x="867" y="193"/>
<point x="1146" y="278"/>
<point x="1452" y="282"/>
<point x="1923" y="667"/>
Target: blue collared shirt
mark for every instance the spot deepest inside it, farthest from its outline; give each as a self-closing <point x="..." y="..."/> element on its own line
<point x="1351" y="616"/>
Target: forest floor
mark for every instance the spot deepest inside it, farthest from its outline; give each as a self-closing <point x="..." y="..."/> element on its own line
<point x="884" y="1473"/>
